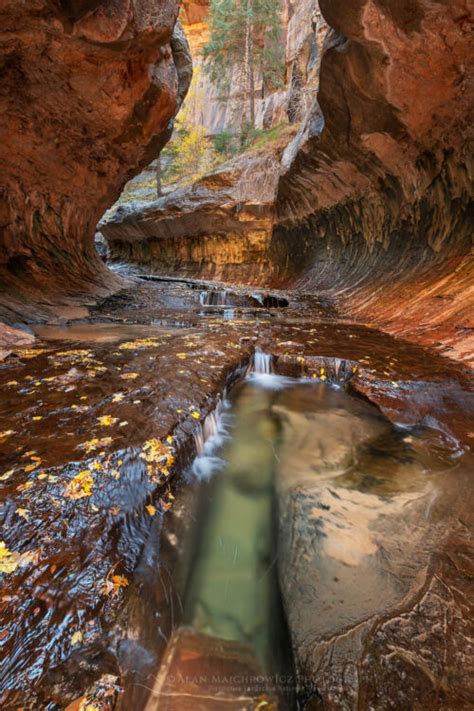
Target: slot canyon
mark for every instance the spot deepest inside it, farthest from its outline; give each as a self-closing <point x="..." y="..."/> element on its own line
<point x="236" y="349"/>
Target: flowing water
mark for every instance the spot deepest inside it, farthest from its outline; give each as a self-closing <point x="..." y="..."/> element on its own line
<point x="307" y="514"/>
<point x="296" y="487"/>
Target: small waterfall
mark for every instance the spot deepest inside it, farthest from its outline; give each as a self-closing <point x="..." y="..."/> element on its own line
<point x="198" y="435"/>
<point x="262" y="362"/>
<point x="211" y="423"/>
<point x="213" y="298"/>
<point x="208" y="438"/>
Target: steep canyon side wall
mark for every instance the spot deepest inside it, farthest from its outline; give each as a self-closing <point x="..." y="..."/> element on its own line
<point x="302" y="28"/>
<point x="88" y="89"/>
<point x="374" y="203"/>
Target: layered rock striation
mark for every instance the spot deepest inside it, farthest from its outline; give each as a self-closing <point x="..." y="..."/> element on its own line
<point x="88" y="91"/>
<point x="220" y="227"/>
<point x="375" y="199"/>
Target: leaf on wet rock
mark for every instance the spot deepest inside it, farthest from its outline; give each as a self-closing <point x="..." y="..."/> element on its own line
<point x="10" y="560"/>
<point x="7" y="475"/>
<point x="92" y="444"/>
<point x="139" y="343"/>
<point x="24" y="513"/>
<point x="195" y="414"/>
<point x="5" y="434"/>
<point x="151" y="509"/>
<point x="31" y="352"/>
<point x="129" y="376"/>
<point x="107" y="420"/>
<point x="113" y="585"/>
<point x="158" y="456"/>
<point x="118" y="397"/>
<point x="80" y="486"/>
<point x="76" y="637"/>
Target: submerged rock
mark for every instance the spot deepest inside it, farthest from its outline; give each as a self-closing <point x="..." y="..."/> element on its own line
<point x="364" y="527"/>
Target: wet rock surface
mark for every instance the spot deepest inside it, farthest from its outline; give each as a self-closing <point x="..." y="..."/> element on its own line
<point x="363" y="545"/>
<point x="94" y="428"/>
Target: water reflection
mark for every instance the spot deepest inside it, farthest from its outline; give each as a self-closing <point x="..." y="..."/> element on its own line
<point x="305" y="487"/>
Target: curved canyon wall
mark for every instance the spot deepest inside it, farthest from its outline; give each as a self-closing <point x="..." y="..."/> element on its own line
<point x="88" y="91"/>
<point x="374" y="204"/>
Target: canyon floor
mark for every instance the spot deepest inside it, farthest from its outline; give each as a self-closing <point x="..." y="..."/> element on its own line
<point x="101" y="423"/>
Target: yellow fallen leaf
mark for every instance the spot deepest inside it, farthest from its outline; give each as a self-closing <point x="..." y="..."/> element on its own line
<point x="106" y="420"/>
<point x="30" y="467"/>
<point x="7" y="475"/>
<point x="37" y="418"/>
<point x="8" y="561"/>
<point x="113" y="586"/>
<point x="76" y="637"/>
<point x="118" y="397"/>
<point x="139" y="343"/>
<point x="12" y="382"/>
<point x="80" y="486"/>
<point x="123" y="424"/>
<point x="92" y="444"/>
<point x="31" y="352"/>
<point x="395" y="385"/>
<point x="129" y="376"/>
<point x="151" y="509"/>
<point x="6" y="433"/>
<point x="169" y="439"/>
<point x="195" y="414"/>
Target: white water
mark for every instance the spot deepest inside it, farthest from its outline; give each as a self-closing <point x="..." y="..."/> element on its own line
<point x="261" y="362"/>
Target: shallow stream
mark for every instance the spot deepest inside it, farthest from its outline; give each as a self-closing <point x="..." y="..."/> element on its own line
<point x="304" y="541"/>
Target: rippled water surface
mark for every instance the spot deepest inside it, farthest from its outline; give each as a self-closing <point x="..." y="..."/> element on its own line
<point x="117" y="551"/>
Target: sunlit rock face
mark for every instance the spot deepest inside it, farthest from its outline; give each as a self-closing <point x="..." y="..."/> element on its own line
<point x="374" y="199"/>
<point x="303" y="29"/>
<point x="87" y="93"/>
<point x="220" y="227"/>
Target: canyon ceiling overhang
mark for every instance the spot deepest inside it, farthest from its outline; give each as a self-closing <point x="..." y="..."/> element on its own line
<point x="88" y="90"/>
<point x="375" y="200"/>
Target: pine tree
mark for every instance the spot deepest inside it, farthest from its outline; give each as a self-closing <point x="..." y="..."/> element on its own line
<point x="245" y="35"/>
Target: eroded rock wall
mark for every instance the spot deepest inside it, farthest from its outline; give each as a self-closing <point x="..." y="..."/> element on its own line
<point x="88" y="89"/>
<point x="374" y="204"/>
<point x="220" y="227"/>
